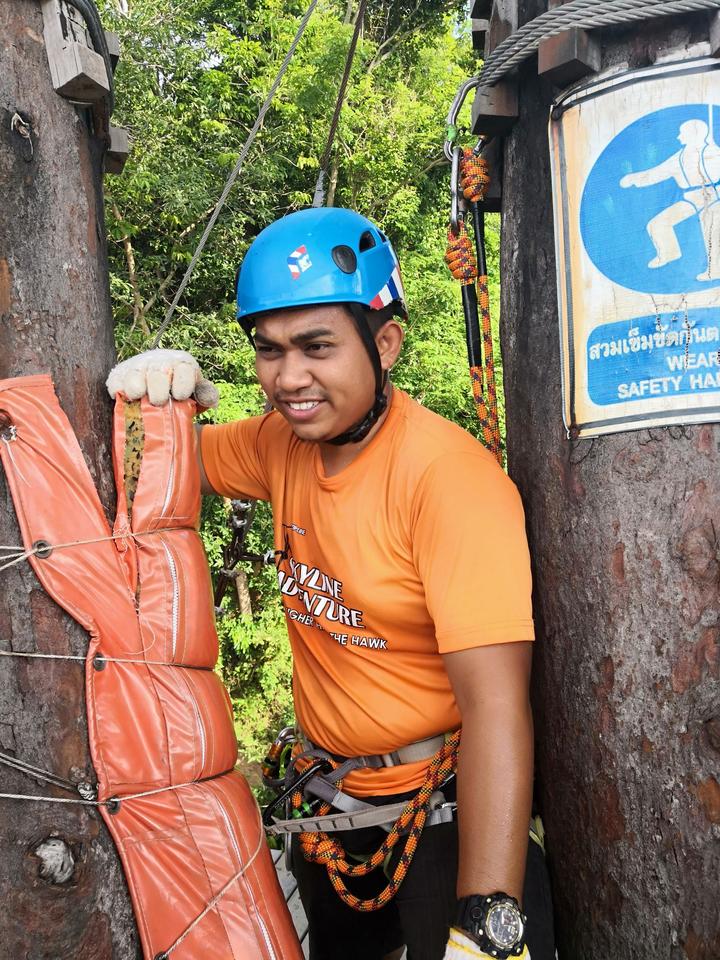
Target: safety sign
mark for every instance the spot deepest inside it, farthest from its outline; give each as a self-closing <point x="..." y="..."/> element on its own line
<point x="636" y="198"/>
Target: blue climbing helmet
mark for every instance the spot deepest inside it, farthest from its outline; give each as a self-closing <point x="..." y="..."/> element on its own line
<point x="320" y="256"/>
<point x="317" y="256"/>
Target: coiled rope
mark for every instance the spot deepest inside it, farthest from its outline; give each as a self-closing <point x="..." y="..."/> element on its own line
<point x="589" y="14"/>
<point x="322" y="848"/>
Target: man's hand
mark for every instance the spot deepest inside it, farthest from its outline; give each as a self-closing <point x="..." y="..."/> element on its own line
<point x="160" y="374"/>
<point x="462" y="947"/>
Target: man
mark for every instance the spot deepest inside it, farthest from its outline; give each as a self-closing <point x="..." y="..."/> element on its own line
<point x="405" y="577"/>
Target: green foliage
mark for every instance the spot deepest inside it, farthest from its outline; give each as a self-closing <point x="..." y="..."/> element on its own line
<point x="191" y="79"/>
<point x="259" y="652"/>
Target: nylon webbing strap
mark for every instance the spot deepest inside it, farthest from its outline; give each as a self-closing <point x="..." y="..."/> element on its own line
<point x="412" y="753"/>
<point x="371" y="817"/>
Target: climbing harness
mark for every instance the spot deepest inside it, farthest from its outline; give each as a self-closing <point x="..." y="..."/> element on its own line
<point x="313" y="787"/>
<point x="469" y="180"/>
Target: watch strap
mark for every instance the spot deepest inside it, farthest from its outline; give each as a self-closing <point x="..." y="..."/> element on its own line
<point x="472" y="920"/>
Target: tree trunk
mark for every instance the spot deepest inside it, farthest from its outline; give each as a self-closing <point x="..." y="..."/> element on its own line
<point x="67" y="898"/>
<point x="623" y="533"/>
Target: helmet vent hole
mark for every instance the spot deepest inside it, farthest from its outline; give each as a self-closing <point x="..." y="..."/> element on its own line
<point x="345" y="258"/>
<point x="367" y="241"/>
<point x="383" y="237"/>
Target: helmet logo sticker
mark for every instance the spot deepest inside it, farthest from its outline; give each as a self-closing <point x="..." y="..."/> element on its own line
<point x="299" y="261"/>
<point x="393" y="290"/>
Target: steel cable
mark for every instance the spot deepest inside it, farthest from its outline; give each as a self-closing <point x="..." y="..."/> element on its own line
<point x="319" y="195"/>
<point x="578" y="13"/>
<point x="233" y="176"/>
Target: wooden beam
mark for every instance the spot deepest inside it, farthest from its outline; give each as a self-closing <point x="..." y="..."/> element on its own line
<point x="481" y="9"/>
<point x="118" y="151"/>
<point x="715" y="35"/>
<point x="495" y="109"/>
<point x="493" y="153"/>
<point x="479" y="30"/>
<point x="78" y="73"/>
<point x="568" y="56"/>
<point x="113" y="44"/>
<point x="503" y="22"/>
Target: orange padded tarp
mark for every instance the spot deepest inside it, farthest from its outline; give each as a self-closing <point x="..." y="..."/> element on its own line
<point x="159" y="718"/>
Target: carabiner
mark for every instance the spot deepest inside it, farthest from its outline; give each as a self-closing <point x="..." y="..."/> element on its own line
<point x="318" y="766"/>
<point x="273" y="760"/>
<point x="453" y="112"/>
<point x="456" y="202"/>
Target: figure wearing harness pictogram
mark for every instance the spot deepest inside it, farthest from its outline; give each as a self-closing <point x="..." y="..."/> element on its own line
<point x="696" y="170"/>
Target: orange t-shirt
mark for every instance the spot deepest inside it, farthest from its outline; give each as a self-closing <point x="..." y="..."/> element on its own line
<point x="414" y="550"/>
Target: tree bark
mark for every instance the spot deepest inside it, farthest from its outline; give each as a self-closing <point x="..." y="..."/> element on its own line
<point x="624" y="537"/>
<point x="61" y="884"/>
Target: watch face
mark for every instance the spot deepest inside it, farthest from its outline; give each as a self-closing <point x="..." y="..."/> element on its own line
<point x="504" y="925"/>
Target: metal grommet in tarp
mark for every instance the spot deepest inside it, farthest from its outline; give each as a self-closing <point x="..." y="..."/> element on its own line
<point x="99" y="662"/>
<point x="42" y="549"/>
<point x="113" y="805"/>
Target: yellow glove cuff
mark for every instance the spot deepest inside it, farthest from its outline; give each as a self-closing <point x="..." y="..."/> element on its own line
<point x="462" y="947"/>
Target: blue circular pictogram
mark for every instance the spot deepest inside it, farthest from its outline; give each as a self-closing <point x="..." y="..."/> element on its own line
<point x="650" y="209"/>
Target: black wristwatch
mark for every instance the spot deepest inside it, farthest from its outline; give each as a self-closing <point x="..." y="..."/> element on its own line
<point x="495" y="922"/>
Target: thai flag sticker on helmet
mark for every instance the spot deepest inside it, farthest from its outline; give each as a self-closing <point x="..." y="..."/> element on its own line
<point x="299" y="261"/>
<point x="393" y="290"/>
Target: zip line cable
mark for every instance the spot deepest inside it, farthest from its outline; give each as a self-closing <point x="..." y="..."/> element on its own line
<point x="578" y="13"/>
<point x="319" y="196"/>
<point x="524" y="42"/>
<point x="234" y="174"/>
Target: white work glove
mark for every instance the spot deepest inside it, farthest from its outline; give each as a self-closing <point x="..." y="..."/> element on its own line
<point x="160" y="374"/>
<point x="462" y="947"/>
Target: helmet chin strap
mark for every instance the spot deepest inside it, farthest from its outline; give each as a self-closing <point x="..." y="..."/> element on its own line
<point x="362" y="428"/>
